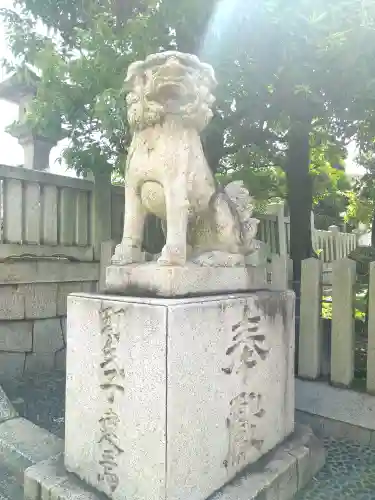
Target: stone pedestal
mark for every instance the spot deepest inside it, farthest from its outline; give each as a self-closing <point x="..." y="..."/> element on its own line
<point x="181" y="281"/>
<point x="171" y="398"/>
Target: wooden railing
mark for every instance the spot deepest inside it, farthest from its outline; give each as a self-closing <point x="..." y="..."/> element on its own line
<point x="44" y="214"/>
<point x="333" y="245"/>
<point x="274" y="229"/>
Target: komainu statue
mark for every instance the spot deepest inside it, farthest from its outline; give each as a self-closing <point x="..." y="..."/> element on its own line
<point x="167" y="174"/>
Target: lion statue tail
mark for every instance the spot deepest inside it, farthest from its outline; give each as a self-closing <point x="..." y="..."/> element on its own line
<point x="242" y="202"/>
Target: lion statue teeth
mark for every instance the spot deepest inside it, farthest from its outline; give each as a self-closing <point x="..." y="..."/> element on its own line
<point x="168" y="105"/>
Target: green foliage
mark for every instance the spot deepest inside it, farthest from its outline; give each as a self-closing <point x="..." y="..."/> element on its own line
<point x="361" y="207"/>
<point x="83" y="62"/>
<point x="289" y="72"/>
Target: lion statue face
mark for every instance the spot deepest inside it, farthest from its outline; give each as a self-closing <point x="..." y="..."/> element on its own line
<point x="170" y="83"/>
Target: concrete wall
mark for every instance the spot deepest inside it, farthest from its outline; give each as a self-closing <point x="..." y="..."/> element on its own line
<point x="33" y="312"/>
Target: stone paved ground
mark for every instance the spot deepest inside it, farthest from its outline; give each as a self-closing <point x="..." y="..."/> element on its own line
<point x="41" y="399"/>
<point x="349" y="473"/>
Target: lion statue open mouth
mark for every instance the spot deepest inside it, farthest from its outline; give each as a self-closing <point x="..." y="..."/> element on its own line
<point x="167" y="174"/>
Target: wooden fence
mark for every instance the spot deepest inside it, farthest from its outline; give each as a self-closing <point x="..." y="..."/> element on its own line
<point x="48" y="215"/>
<point x="333" y="245"/>
<point x="274" y="229"/>
<point x="44" y="214"/>
<point x="333" y="352"/>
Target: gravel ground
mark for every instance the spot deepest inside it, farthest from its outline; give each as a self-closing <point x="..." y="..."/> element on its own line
<point x="349" y="472"/>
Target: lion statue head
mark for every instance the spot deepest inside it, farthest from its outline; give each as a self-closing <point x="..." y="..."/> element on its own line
<point x="169" y="84"/>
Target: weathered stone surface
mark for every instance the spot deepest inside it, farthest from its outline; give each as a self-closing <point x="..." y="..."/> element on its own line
<point x="308" y="451"/>
<point x="50" y="271"/>
<point x="7" y="410"/>
<point x="48" y="335"/>
<point x="40" y="300"/>
<point x="63" y="290"/>
<point x="16" y="336"/>
<point x="38" y="362"/>
<point x="12" y="302"/>
<point x="343" y="337"/>
<point x="143" y="338"/>
<point x="321" y="399"/>
<point x="11" y="365"/>
<point x="274" y="476"/>
<point x="214" y="374"/>
<point x="21" y="438"/>
<point x="60" y="359"/>
<point x="89" y="286"/>
<point x="310" y="337"/>
<point x="334" y="429"/>
<point x="172" y="180"/>
<point x="172" y="281"/>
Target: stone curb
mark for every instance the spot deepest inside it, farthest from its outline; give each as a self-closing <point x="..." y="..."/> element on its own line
<point x="23" y="444"/>
<point x="279" y="474"/>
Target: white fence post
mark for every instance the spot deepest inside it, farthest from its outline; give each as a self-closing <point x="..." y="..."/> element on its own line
<point x="335" y="239"/>
<point x="342" y="354"/>
<point x="281" y="230"/>
<point x="371" y="332"/>
<point x="312" y="220"/>
<point x="310" y="335"/>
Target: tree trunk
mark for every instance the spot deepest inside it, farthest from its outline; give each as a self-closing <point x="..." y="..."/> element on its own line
<point x="373" y="230"/>
<point x="300" y="196"/>
<point x="299" y="186"/>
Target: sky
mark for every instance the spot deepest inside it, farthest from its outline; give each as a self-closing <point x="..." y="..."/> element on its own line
<point x="11" y="153"/>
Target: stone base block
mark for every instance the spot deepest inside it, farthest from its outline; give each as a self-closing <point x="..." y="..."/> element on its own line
<point x="153" y="279"/>
<point x="172" y="398"/>
<point x="280" y="474"/>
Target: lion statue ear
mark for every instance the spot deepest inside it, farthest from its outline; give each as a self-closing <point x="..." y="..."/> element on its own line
<point x="135" y="70"/>
<point x="209" y="74"/>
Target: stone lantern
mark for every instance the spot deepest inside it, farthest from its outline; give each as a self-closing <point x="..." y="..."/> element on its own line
<point x="20" y="88"/>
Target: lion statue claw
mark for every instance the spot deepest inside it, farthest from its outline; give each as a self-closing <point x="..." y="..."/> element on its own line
<point x="167" y="174"/>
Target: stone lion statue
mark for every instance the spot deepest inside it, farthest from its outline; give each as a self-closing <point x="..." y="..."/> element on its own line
<point x="167" y="174"/>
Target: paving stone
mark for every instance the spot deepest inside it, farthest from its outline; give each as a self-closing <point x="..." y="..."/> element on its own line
<point x="349" y="473"/>
<point x="21" y="437"/>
